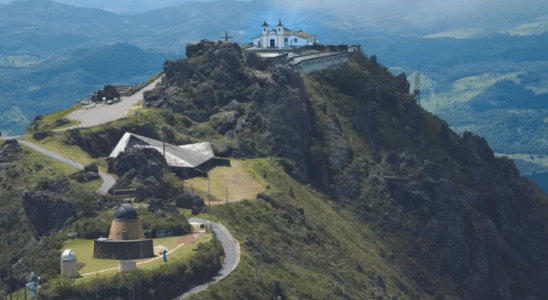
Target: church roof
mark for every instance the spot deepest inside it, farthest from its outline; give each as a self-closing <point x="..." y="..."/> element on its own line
<point x="265" y="24"/>
<point x="280" y="23"/>
<point x="185" y="156"/>
<point x="301" y="34"/>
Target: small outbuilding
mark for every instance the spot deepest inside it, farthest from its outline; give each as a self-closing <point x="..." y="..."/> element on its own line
<point x="69" y="264"/>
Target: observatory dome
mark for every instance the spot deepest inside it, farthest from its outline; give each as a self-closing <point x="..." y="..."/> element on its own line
<point x="68" y="255"/>
<point x="125" y="212"/>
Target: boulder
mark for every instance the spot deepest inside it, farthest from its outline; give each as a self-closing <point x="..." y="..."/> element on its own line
<point x="40" y="135"/>
<point x="251" y="60"/>
<point x="179" y="72"/>
<point x="92" y="168"/>
<point x="61" y="122"/>
<point x="9" y="150"/>
<point x="156" y="97"/>
<point x="199" y="48"/>
<point x="188" y="200"/>
<point x="146" y="161"/>
<point x="224" y="121"/>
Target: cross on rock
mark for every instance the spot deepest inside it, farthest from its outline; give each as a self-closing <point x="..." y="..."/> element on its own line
<point x="226" y="37"/>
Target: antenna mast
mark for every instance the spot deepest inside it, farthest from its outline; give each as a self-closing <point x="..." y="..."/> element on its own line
<point x="417" y="90"/>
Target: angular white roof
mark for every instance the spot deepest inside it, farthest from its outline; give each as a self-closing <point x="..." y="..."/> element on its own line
<point x="185" y="156"/>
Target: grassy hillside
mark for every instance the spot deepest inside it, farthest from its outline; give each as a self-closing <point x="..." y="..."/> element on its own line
<point x="28" y="170"/>
<point x="367" y="195"/>
<point x="301" y="245"/>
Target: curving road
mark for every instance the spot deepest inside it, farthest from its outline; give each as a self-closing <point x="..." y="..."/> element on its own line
<point x="232" y="255"/>
<point x="108" y="181"/>
<point x="101" y="114"/>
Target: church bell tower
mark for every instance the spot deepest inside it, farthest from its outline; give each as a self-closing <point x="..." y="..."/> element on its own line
<point x="264" y="36"/>
<point x="280" y="34"/>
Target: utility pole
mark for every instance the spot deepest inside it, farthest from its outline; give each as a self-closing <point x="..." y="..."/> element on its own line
<point x="164" y="139"/>
<point x="417" y="90"/>
<point x="209" y="192"/>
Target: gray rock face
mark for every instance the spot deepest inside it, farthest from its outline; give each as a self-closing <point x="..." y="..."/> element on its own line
<point x="286" y="118"/>
<point x="224" y="121"/>
<point x="148" y="162"/>
<point x="366" y="122"/>
<point x="190" y="201"/>
<point x="412" y="121"/>
<point x="474" y="150"/>
<point x="199" y="49"/>
<point x="9" y="150"/>
<point x="155" y="98"/>
<point x="92" y="168"/>
<point x="179" y="72"/>
<point x="403" y="84"/>
<point x="45" y="212"/>
<point x="40" y="135"/>
<point x="480" y="248"/>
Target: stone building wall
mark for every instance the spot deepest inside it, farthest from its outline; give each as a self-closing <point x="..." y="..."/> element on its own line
<point x="123" y="250"/>
<point x="126" y="230"/>
<point x="323" y="63"/>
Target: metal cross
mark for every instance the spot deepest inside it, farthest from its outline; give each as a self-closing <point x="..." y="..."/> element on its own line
<point x="226" y="37"/>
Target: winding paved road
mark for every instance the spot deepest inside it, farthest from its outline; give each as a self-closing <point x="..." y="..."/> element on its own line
<point x="101" y="114"/>
<point x="108" y="181"/>
<point x="232" y="255"/>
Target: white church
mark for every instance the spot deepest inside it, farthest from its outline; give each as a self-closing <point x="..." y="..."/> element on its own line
<point x="282" y="38"/>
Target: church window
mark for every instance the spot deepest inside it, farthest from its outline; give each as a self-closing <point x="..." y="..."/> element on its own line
<point x="285" y="40"/>
<point x="295" y="40"/>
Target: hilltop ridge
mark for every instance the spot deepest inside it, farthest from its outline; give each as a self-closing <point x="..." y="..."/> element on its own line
<point x="371" y="196"/>
<point x="358" y="136"/>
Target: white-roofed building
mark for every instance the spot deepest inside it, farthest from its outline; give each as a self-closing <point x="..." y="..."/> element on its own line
<point x="181" y="158"/>
<point x="69" y="264"/>
<point x="282" y="38"/>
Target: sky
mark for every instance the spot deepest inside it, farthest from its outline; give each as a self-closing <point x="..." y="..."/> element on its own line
<point x="388" y="15"/>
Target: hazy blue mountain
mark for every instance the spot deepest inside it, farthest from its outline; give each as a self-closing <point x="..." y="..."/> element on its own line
<point x="507" y="94"/>
<point x="59" y="81"/>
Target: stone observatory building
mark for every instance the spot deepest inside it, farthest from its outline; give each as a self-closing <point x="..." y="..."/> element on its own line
<point x="69" y="264"/>
<point x="126" y="239"/>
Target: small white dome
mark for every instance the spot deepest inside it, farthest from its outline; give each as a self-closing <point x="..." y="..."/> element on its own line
<point x="69" y="255"/>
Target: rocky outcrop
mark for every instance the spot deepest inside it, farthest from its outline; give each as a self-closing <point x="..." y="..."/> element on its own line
<point x="412" y="120"/>
<point x="403" y="84"/>
<point x="179" y="72"/>
<point x="190" y="201"/>
<point x="40" y="135"/>
<point x="9" y="150"/>
<point x="45" y="212"/>
<point x="100" y="144"/>
<point x="477" y="247"/>
<point x="147" y="162"/>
